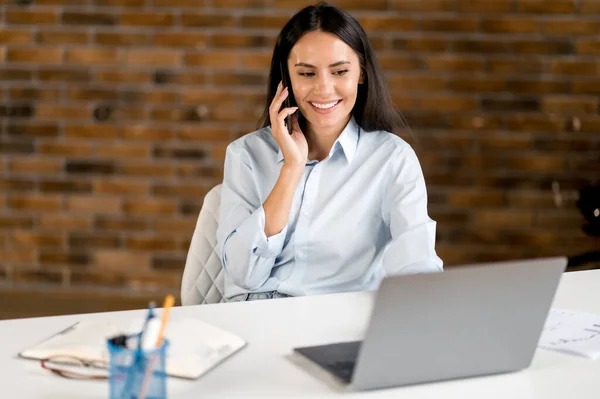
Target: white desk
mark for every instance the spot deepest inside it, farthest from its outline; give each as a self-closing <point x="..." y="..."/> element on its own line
<point x="272" y="328"/>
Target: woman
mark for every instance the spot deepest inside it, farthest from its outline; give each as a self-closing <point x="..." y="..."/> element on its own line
<point x="340" y="202"/>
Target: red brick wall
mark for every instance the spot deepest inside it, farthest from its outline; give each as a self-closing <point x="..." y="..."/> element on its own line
<point x="115" y="115"/>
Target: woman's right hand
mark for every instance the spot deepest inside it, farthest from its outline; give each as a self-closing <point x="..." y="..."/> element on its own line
<point x="293" y="146"/>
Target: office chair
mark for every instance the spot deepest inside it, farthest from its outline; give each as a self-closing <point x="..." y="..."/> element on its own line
<point x="589" y="205"/>
<point x="203" y="276"/>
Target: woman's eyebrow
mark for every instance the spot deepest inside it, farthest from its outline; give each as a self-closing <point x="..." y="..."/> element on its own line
<point x="304" y="64"/>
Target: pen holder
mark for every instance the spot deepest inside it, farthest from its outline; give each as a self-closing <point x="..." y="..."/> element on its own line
<point x="131" y="370"/>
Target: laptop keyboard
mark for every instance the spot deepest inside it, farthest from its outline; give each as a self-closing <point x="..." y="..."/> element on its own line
<point x="343" y="370"/>
<point x="339" y="358"/>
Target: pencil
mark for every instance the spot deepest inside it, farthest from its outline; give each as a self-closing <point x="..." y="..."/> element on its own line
<point x="169" y="302"/>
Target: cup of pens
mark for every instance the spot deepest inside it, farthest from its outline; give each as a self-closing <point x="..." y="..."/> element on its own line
<point x="137" y="373"/>
<point x="137" y="363"/>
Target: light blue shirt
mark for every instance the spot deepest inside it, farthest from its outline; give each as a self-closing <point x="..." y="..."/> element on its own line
<point x="358" y="215"/>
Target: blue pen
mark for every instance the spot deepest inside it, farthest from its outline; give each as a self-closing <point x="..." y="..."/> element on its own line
<point x="151" y="315"/>
<point x="137" y="359"/>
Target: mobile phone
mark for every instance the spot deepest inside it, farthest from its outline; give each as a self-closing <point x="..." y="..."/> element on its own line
<point x="288" y="100"/>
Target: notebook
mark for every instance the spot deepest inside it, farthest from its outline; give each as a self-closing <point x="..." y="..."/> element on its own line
<point x="195" y="347"/>
<point x="572" y="332"/>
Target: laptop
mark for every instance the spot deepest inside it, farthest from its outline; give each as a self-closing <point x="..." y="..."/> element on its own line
<point x="468" y="321"/>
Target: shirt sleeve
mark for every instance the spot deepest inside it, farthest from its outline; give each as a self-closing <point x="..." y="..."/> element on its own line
<point x="247" y="254"/>
<point x="412" y="249"/>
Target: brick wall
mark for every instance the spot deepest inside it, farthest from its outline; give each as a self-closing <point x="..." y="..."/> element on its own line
<point x="115" y="115"/>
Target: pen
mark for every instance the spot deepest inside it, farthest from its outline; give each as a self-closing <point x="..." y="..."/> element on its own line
<point x="142" y="344"/>
<point x="150" y="331"/>
<point x="149" y="316"/>
<point x="167" y="305"/>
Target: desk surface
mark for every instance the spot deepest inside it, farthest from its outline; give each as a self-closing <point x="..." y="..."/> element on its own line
<point x="265" y="368"/>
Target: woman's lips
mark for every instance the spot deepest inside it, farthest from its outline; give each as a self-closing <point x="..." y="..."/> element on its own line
<point x="325" y="110"/>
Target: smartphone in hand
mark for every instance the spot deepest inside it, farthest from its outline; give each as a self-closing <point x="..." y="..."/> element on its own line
<point x="288" y="100"/>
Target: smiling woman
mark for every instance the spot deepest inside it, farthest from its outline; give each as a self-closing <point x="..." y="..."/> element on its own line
<point x="334" y="201"/>
<point x="324" y="92"/>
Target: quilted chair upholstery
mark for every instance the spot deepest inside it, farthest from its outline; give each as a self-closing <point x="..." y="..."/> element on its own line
<point x="203" y="276"/>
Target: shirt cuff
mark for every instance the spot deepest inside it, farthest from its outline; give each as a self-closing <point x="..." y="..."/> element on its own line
<point x="261" y="244"/>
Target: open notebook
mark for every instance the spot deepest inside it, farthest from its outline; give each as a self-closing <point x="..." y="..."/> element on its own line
<point x="194" y="346"/>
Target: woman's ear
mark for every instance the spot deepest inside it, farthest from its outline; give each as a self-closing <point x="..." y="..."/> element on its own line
<point x="361" y="78"/>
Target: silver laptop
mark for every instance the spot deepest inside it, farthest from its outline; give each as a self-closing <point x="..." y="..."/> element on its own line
<point x="465" y="322"/>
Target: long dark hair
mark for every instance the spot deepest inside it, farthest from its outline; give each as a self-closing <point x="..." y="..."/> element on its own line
<point x="374" y="108"/>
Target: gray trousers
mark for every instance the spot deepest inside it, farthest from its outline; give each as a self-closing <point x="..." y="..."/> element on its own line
<point x="257" y="296"/>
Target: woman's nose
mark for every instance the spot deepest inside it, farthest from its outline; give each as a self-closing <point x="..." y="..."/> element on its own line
<point x="323" y="85"/>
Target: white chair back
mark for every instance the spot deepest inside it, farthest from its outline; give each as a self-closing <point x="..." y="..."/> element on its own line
<point x="203" y="276"/>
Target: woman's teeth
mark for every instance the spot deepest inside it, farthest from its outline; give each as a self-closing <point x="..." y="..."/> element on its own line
<point x="325" y="106"/>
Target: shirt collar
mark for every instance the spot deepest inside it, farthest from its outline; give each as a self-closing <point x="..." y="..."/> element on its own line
<point x="348" y="140"/>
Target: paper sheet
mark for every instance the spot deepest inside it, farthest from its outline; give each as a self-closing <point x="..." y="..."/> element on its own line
<point x="572" y="332"/>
